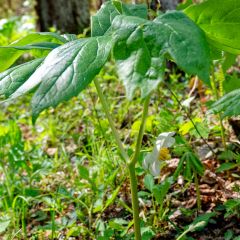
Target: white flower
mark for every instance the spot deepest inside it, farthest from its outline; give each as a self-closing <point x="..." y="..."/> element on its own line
<point x="153" y="162"/>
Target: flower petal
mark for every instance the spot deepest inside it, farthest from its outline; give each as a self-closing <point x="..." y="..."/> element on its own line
<point x="148" y="160"/>
<point x="155" y="168"/>
<point x="165" y="140"/>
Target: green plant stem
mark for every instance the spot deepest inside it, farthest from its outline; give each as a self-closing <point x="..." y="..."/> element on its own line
<point x="222" y="131"/>
<point x="214" y="87"/>
<point x="110" y="120"/>
<point x="197" y="190"/>
<point x="141" y="131"/>
<point x="52" y="212"/>
<point x="132" y="174"/>
<point x="132" y="163"/>
<point x="135" y="204"/>
<point x="24" y="225"/>
<point x="184" y="233"/>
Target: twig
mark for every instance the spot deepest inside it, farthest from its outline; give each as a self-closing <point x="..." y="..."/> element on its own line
<point x="190" y="118"/>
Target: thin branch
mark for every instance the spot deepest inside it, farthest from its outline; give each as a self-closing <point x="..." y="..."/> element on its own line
<point x="190" y="118"/>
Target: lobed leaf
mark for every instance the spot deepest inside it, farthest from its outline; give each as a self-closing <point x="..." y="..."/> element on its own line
<point x="142" y="47"/>
<point x="137" y="64"/>
<point x="189" y="162"/>
<point x="220" y="20"/>
<point x="186" y="43"/>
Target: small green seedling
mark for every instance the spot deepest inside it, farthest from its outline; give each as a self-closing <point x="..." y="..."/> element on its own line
<point x="190" y="166"/>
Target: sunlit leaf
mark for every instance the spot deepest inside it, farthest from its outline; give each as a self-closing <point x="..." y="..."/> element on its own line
<point x="221" y="22"/>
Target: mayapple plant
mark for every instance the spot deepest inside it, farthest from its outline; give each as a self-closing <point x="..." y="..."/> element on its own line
<point x="66" y="65"/>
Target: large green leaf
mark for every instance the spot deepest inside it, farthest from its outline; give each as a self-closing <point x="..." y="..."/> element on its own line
<point x="66" y="71"/>
<point x="185" y="42"/>
<point x="102" y="21"/>
<point x="13" y="78"/>
<point x="12" y="52"/>
<point x="140" y="49"/>
<point x="142" y="46"/>
<point x="138" y="66"/>
<point x="229" y="104"/>
<point x="221" y="22"/>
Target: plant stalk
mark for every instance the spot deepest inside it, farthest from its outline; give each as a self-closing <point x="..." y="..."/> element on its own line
<point x="135" y="204"/>
<point x="132" y="174"/>
<point x="141" y="131"/>
<point x="133" y="161"/>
